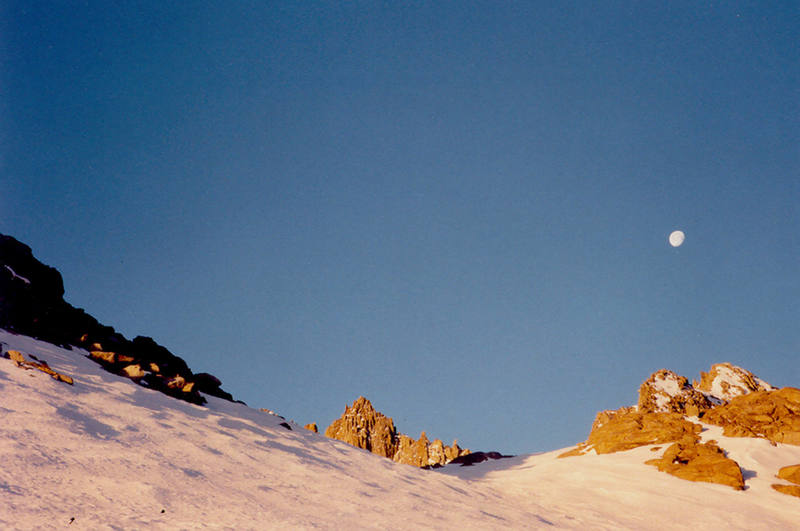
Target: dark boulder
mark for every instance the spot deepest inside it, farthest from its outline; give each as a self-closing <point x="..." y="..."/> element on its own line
<point x="477" y="457"/>
<point x="210" y="385"/>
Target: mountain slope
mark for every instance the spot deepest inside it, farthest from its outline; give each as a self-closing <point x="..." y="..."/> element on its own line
<point x="112" y="454"/>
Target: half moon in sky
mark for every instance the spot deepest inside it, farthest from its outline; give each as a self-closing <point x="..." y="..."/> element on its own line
<point x="676" y="238"/>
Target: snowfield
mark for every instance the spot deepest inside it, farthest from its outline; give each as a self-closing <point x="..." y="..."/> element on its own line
<point x="106" y="453"/>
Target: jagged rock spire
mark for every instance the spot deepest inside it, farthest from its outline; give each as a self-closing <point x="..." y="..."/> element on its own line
<point x="364" y="427"/>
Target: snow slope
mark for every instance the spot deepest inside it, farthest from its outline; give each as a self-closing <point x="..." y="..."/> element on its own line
<point x="115" y="455"/>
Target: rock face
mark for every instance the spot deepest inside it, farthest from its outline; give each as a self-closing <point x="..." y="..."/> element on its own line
<point x="32" y="303"/>
<point x="773" y="415"/>
<point x="725" y="382"/>
<point x="665" y="391"/>
<point x="364" y="427"/>
<point x="700" y="462"/>
<point x="412" y="452"/>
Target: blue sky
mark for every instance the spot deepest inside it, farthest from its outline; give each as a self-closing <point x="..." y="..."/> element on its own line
<point x="457" y="209"/>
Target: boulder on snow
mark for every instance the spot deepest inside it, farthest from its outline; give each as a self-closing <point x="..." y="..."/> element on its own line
<point x="694" y="461"/>
<point x="477" y="457"/>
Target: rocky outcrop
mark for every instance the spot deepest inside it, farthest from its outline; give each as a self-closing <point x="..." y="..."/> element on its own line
<point x="725" y="382"/>
<point x="627" y="429"/>
<point x="32" y="303"/>
<point x="412" y="452"/>
<point x="772" y="415"/>
<point x="665" y="397"/>
<point x="728" y="396"/>
<point x="312" y="427"/>
<point x="364" y="427"/>
<point x="204" y="383"/>
<point x="695" y="461"/>
<point x="665" y="391"/>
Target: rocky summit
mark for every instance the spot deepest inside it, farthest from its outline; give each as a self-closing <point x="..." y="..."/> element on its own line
<point x="666" y="391"/>
<point x="32" y="303"/>
<point x="725" y="382"/>
<point x="363" y="427"/>
<point x="672" y="411"/>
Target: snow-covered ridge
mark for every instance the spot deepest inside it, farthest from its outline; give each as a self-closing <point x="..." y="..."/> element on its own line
<point x="111" y="454"/>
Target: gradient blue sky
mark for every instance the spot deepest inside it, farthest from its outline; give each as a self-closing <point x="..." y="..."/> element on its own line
<point x="457" y="209"/>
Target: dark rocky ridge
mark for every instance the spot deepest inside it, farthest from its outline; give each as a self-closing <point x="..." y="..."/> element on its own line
<point x="32" y="303"/>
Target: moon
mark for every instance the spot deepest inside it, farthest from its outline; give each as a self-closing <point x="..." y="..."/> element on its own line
<point x="676" y="238"/>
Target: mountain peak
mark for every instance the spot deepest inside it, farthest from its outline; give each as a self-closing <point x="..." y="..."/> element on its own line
<point x="667" y="391"/>
<point x="725" y="381"/>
